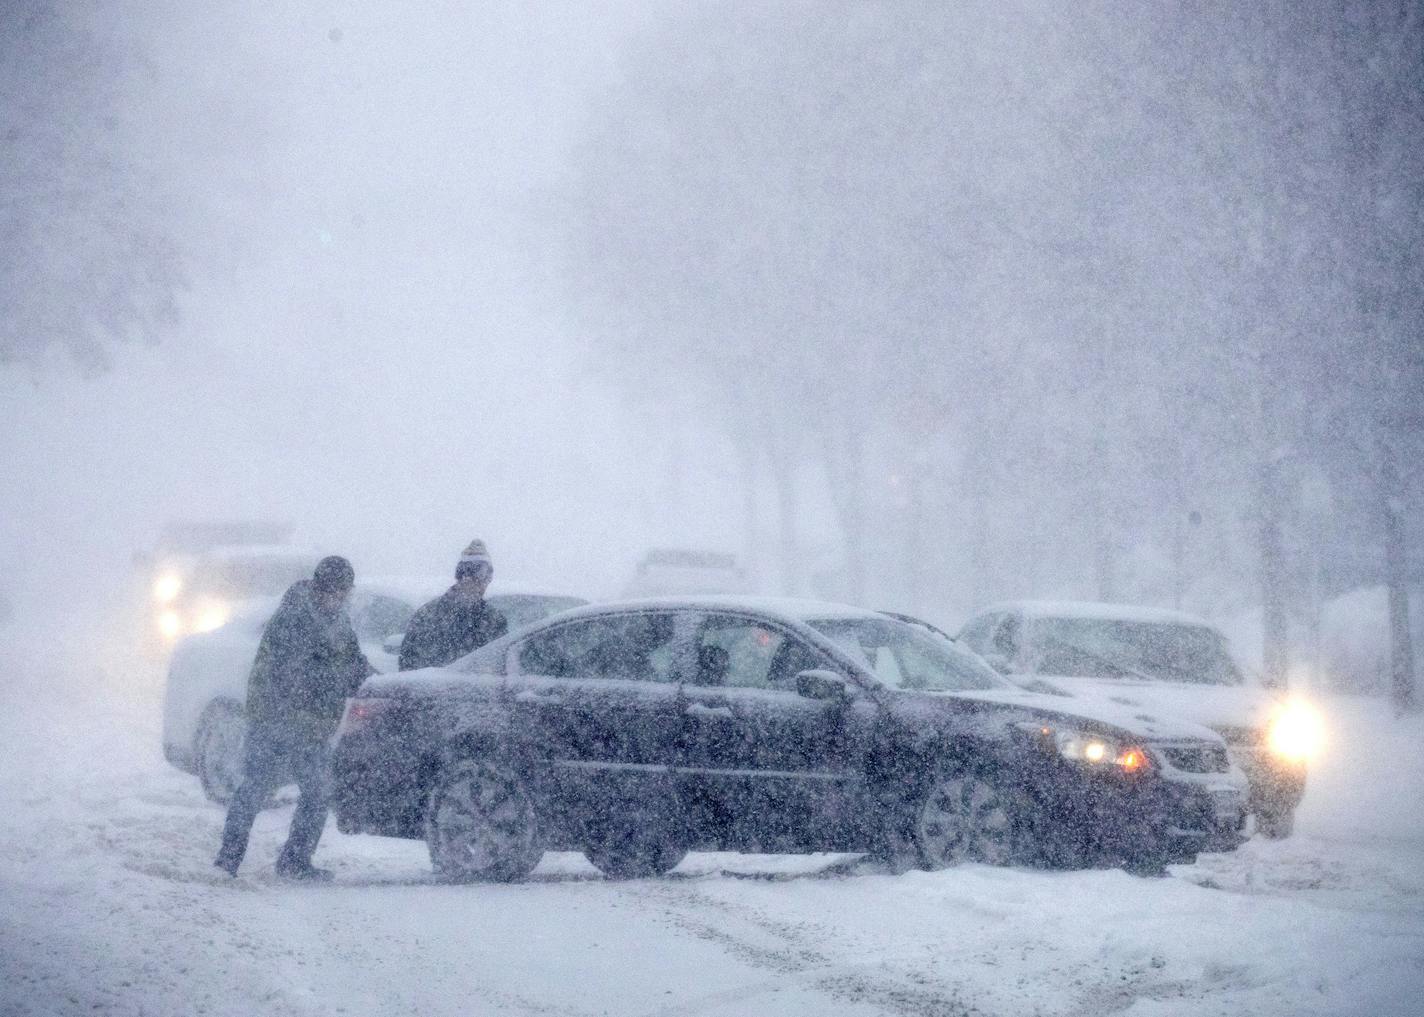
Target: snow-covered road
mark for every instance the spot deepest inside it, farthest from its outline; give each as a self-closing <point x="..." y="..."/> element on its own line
<point x="108" y="904"/>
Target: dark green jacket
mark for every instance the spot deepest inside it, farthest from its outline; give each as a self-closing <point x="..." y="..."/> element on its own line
<point x="446" y="629"/>
<point x="309" y="661"/>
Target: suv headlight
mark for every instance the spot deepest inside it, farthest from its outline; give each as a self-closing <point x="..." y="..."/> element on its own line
<point x="1296" y="732"/>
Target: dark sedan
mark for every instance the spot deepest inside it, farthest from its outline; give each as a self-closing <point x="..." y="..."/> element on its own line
<point x="638" y="731"/>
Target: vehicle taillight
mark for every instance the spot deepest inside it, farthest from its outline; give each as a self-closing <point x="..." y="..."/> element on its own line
<point x="361" y="714"/>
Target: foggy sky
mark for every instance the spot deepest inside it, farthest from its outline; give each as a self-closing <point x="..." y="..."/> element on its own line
<point x="374" y="344"/>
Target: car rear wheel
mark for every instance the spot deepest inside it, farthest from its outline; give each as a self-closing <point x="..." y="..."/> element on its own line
<point x="221" y="748"/>
<point x="964" y="816"/>
<point x="481" y="824"/>
<point x="634" y="846"/>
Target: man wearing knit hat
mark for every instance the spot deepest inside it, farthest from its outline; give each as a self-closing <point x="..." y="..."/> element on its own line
<point x="457" y="621"/>
<point x="307" y="664"/>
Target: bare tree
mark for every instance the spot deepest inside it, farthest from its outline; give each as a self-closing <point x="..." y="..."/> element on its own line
<point x="83" y="266"/>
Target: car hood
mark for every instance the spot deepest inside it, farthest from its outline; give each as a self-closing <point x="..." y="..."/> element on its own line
<point x="1137" y="723"/>
<point x="1221" y="707"/>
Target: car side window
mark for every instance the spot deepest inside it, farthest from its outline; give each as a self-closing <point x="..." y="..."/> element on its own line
<point x="632" y="646"/>
<point x="743" y="653"/>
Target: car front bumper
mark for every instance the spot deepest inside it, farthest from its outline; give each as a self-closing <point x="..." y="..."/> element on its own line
<point x="1140" y="819"/>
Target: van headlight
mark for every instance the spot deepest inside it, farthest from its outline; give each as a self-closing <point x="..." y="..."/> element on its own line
<point x="167" y="587"/>
<point x="211" y="616"/>
<point x="170" y="624"/>
<point x="1296" y="732"/>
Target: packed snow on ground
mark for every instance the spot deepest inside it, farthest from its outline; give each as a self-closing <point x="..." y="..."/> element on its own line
<point x="108" y="904"/>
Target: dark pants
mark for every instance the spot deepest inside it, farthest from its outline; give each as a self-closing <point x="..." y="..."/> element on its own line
<point x="274" y="759"/>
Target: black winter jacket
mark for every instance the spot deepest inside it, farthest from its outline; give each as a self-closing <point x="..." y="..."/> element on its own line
<point x="446" y="629"/>
<point x="308" y="663"/>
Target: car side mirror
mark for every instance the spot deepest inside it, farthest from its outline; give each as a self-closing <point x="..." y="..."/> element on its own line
<point x="819" y="683"/>
<point x="392" y="644"/>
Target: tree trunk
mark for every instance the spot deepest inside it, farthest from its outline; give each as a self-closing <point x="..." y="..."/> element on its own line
<point x="1396" y="568"/>
<point x="1275" y="620"/>
<point x="788" y="508"/>
<point x="747" y="456"/>
<point x="847" y="477"/>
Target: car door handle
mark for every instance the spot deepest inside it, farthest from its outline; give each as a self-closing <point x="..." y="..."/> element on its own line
<point x="539" y="698"/>
<point x="704" y="712"/>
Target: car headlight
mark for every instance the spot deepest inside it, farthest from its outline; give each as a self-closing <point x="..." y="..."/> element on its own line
<point x="211" y="616"/>
<point x="1095" y="750"/>
<point x="170" y="625"/>
<point x="1098" y="751"/>
<point x="167" y="587"/>
<point x="1296" y="732"/>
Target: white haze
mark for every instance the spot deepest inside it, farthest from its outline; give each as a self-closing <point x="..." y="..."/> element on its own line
<point x="913" y="308"/>
<point x="373" y="343"/>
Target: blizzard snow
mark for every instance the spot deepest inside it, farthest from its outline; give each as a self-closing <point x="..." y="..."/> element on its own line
<point x="108" y="904"/>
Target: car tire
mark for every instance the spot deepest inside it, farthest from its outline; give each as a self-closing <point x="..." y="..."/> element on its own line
<point x="959" y="815"/>
<point x="481" y="824"/>
<point x="635" y="847"/>
<point x="220" y="750"/>
<point x="1277" y="824"/>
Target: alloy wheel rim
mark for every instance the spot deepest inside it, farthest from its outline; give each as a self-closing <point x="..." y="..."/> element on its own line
<point x="481" y="821"/>
<point x="964" y="818"/>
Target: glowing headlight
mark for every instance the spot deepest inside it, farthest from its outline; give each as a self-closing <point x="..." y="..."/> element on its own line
<point x="166" y="588"/>
<point x="211" y="616"/>
<point x="1297" y="731"/>
<point x="170" y="625"/>
<point x="1091" y="749"/>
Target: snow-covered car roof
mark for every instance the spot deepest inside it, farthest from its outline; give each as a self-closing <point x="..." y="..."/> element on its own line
<point x="785" y="608"/>
<point x="419" y="589"/>
<point x="255" y="552"/>
<point x="1088" y="609"/>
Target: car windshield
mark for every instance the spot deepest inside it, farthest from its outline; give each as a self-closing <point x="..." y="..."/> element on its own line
<point x="905" y="656"/>
<point x="1117" y="648"/>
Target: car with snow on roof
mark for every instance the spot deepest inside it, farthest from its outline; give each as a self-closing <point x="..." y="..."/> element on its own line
<point x="1160" y="663"/>
<point x="640" y="730"/>
<point x="204" y="715"/>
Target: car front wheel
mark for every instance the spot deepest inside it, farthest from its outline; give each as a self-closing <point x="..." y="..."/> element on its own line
<point x="481" y="824"/>
<point x="959" y="816"/>
<point x="221" y="748"/>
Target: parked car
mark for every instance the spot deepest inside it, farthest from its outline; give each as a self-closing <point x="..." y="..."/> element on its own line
<point x="641" y="730"/>
<point x="201" y="592"/>
<point x="1165" y="662"/>
<point x="204" y="722"/>
<point x="680" y="572"/>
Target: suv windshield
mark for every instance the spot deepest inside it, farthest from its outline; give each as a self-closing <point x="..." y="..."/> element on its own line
<point x="905" y="656"/>
<point x="1114" y="648"/>
<point x="250" y="577"/>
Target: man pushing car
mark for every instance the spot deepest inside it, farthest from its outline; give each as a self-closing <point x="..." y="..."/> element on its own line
<point x="307" y="664"/>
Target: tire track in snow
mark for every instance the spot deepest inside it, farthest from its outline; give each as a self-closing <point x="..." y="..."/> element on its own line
<point x="796" y="950"/>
